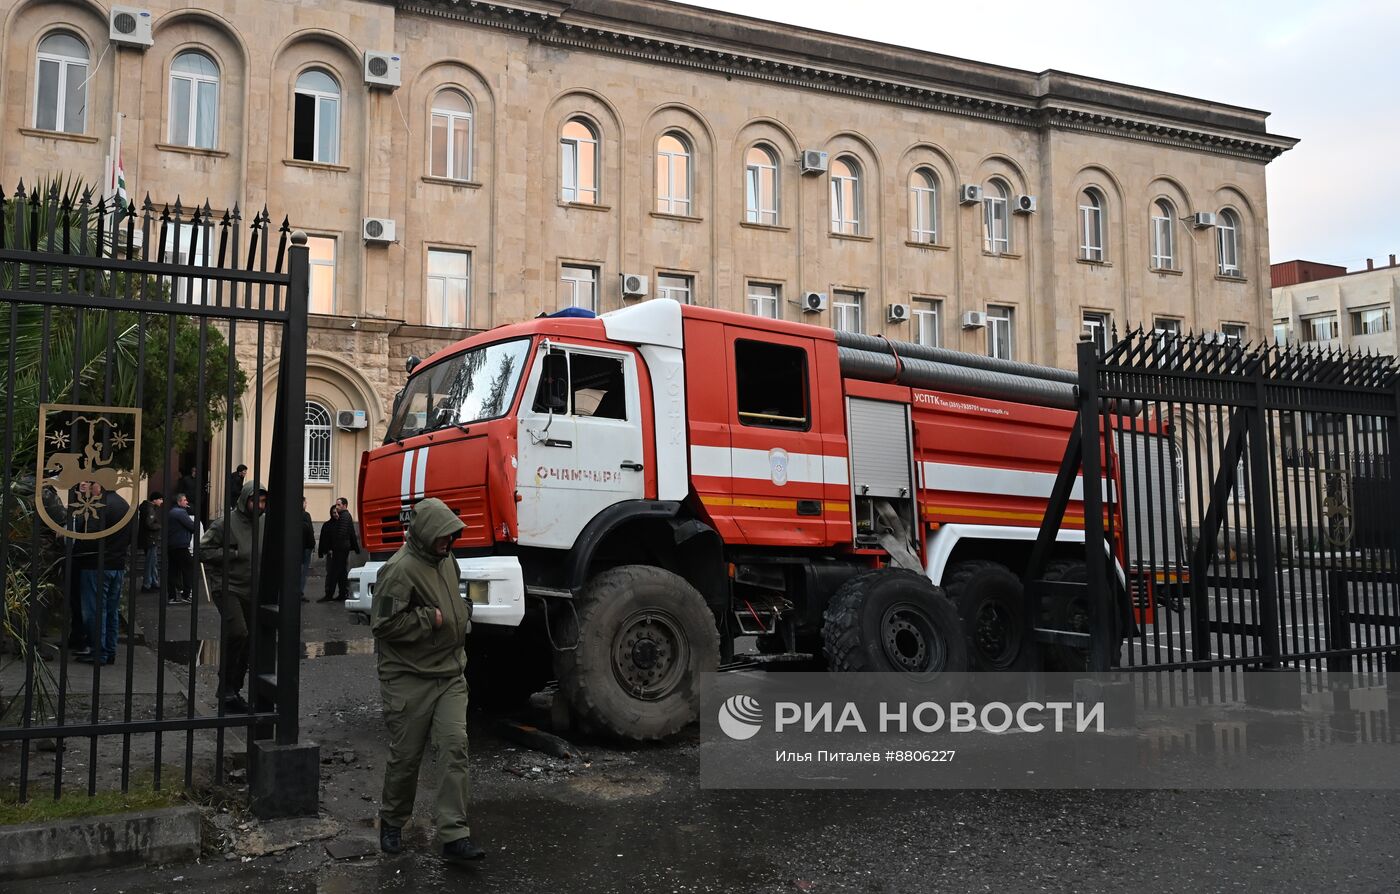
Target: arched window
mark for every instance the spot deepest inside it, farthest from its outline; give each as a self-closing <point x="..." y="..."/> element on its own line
<point x="1163" y="235"/>
<point x="761" y="186"/>
<point x="578" y="161"/>
<point x="673" y="174"/>
<point x="1091" y="225"/>
<point x="317" y="444"/>
<point x="923" y="206"/>
<point x="60" y="83"/>
<point x="451" y="136"/>
<point x="316" y="125"/>
<point x="996" y="220"/>
<point x="846" y="196"/>
<point x="1227" y="241"/>
<point x="194" y="101"/>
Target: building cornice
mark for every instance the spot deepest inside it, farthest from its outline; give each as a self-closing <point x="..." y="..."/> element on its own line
<point x="1039" y="107"/>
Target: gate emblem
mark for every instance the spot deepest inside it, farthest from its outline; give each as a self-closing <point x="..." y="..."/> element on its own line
<point x="80" y="445"/>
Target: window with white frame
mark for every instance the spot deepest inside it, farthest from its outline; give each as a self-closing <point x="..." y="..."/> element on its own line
<point x="761" y="186"/>
<point x="1234" y="333"/>
<point x="675" y="286"/>
<point x="316" y="118"/>
<point x="1163" y="235"/>
<point x="322" y="256"/>
<point x="1091" y="225"/>
<point x="1371" y="320"/>
<point x="578" y="287"/>
<point x="927" y="314"/>
<point x="1227" y="242"/>
<point x="1281" y="332"/>
<point x="1321" y="328"/>
<point x="1166" y="326"/>
<point x="316" y="445"/>
<point x="578" y="161"/>
<point x="846" y="196"/>
<point x="923" y="206"/>
<point x="996" y="221"/>
<point x="1098" y="324"/>
<point x="1000" y="332"/>
<point x="1166" y="333"/>
<point x="188" y="244"/>
<point x="673" y="174"/>
<point x="764" y="298"/>
<point x="451" y="136"/>
<point x="847" y="311"/>
<point x="60" y="83"/>
<point x="449" y="288"/>
<point x="194" y="101"/>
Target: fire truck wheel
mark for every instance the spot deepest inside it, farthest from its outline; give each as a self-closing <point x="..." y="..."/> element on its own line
<point x="1066" y="614"/>
<point x="893" y="620"/>
<point x="992" y="605"/>
<point x="645" y="637"/>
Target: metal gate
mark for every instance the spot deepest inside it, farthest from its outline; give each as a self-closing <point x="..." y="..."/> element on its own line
<point x="132" y="337"/>
<point x="1247" y="502"/>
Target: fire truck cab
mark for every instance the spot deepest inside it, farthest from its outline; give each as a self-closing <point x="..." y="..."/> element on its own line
<point x="643" y="488"/>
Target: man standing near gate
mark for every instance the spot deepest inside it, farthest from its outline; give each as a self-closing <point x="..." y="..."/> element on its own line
<point x="226" y="549"/>
<point x="420" y="624"/>
<point x="101" y="564"/>
<point x="338" y="541"/>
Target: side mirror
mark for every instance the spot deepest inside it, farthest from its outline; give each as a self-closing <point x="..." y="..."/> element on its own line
<point x="557" y="401"/>
<point x="412" y="363"/>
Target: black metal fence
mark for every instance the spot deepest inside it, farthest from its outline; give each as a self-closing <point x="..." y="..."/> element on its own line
<point x="137" y="342"/>
<point x="1248" y="499"/>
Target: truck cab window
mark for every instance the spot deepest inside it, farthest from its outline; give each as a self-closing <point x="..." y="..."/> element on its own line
<point x="771" y="384"/>
<point x="582" y="385"/>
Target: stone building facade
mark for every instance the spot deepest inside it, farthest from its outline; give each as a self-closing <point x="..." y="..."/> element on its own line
<point x="1326" y="306"/>
<point x="536" y="152"/>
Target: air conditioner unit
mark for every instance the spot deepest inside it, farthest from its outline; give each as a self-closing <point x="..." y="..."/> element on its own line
<point x="813" y="302"/>
<point x="130" y="27"/>
<point x="634" y="285"/>
<point x="813" y="161"/>
<point x="969" y="194"/>
<point x="351" y="420"/>
<point x="383" y="69"/>
<point x="1203" y="219"/>
<point x="1024" y="205"/>
<point x="379" y="230"/>
<point x="974" y="319"/>
<point x="897" y="313"/>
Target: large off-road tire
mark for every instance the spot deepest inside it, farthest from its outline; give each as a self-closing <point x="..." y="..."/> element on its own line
<point x="1075" y="614"/>
<point x="893" y="620"/>
<point x="644" y="638"/>
<point x="992" y="605"/>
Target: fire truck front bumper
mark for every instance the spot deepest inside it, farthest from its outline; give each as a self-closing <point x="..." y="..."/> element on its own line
<point x="494" y="584"/>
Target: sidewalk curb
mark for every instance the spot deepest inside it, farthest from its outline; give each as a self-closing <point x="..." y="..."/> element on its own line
<point x="152" y="836"/>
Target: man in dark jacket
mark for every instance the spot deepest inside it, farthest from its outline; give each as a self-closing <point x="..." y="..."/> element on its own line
<point x="148" y="538"/>
<point x="235" y="485"/>
<point x="226" y="549"/>
<point x="181" y="530"/>
<point x="338" y="541"/>
<point x="420" y="625"/>
<point x="308" y="545"/>
<point x="101" y="564"/>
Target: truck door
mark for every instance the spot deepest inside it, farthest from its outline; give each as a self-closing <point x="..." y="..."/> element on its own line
<point x="776" y="446"/>
<point x="580" y="441"/>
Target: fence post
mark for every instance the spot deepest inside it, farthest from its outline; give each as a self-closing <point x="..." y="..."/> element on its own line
<point x="285" y="773"/>
<point x="1095" y="561"/>
<point x="1261" y="503"/>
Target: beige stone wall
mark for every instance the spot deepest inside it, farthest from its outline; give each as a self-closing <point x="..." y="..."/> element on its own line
<point x="1294" y="306"/>
<point x="508" y="215"/>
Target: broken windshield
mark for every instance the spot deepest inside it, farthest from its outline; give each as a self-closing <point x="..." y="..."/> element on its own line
<point x="473" y="386"/>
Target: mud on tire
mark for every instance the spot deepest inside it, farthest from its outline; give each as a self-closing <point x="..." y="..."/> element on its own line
<point x="893" y="620"/>
<point x="644" y="637"/>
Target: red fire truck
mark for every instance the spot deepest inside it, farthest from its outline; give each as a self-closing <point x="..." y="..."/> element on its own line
<point x="643" y="488"/>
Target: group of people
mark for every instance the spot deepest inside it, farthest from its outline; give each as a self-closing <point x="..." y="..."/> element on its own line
<point x="419" y="620"/>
